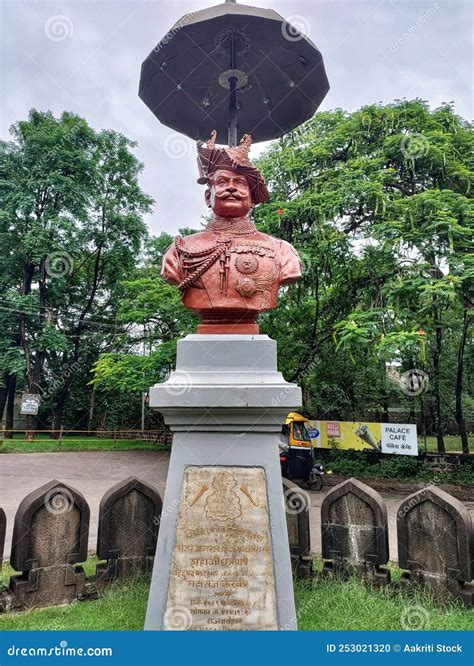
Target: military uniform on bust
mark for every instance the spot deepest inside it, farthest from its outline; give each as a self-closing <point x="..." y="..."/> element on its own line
<point x="230" y="272"/>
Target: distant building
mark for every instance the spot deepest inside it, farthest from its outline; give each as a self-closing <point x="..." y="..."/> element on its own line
<point x="19" y="421"/>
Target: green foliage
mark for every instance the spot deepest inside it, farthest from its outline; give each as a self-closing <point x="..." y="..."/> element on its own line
<point x="378" y="204"/>
<point x="328" y="604"/>
<point x="360" y="464"/>
<point x="71" y="229"/>
<point x="321" y="605"/>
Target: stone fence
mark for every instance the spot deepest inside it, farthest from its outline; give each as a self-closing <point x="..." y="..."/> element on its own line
<point x="51" y="529"/>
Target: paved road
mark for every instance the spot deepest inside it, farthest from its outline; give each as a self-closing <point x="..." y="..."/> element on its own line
<point x="94" y="472"/>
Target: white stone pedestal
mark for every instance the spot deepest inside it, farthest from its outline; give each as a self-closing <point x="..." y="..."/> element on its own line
<point x="222" y="559"/>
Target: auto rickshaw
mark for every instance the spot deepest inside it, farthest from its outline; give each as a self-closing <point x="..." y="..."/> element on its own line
<point x="297" y="454"/>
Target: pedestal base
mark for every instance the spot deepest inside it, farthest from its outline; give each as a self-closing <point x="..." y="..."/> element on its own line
<point x="222" y="559"/>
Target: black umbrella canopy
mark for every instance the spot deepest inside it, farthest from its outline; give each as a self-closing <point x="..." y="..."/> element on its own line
<point x="236" y="69"/>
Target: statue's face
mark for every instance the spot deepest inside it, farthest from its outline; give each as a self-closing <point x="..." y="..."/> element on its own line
<point x="229" y="194"/>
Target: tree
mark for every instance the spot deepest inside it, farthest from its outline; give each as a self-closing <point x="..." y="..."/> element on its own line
<point x="377" y="204"/>
<point x="156" y="319"/>
<point x="72" y="210"/>
<point x="395" y="181"/>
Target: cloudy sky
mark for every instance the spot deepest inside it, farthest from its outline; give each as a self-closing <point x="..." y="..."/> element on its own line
<point x="85" y="56"/>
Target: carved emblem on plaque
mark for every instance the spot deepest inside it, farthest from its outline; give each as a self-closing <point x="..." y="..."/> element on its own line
<point x="223" y="503"/>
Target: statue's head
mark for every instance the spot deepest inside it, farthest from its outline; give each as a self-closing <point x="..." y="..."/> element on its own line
<point x="234" y="184"/>
<point x="229" y="193"/>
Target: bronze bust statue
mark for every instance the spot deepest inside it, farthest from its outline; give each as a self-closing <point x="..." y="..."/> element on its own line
<point x="230" y="272"/>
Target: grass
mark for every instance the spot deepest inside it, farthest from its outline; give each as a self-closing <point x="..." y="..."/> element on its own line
<point x="451" y="443"/>
<point x="324" y="604"/>
<point x="43" y="444"/>
<point x="351" y="605"/>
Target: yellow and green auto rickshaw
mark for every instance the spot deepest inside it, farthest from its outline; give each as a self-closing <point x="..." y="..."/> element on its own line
<point x="297" y="453"/>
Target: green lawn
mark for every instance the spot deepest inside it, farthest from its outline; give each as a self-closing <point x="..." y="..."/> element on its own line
<point x="321" y="605"/>
<point x="43" y="444"/>
<point x="451" y="442"/>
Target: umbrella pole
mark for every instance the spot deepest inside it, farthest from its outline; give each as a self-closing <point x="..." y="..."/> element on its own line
<point x="233" y="112"/>
<point x="232" y="129"/>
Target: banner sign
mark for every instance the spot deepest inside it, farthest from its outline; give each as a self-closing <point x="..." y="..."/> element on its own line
<point x="400" y="438"/>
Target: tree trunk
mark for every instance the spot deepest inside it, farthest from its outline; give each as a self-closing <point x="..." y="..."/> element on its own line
<point x="91" y="418"/>
<point x="3" y="396"/>
<point x="58" y="415"/>
<point x="437" y="384"/>
<point x="10" y="406"/>
<point x="459" y="414"/>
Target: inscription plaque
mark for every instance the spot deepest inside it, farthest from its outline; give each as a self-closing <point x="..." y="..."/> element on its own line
<point x="222" y="574"/>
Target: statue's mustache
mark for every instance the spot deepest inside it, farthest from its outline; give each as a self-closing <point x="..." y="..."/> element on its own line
<point x="227" y="195"/>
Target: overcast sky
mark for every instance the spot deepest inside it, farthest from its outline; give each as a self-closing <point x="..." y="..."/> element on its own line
<point x="84" y="56"/>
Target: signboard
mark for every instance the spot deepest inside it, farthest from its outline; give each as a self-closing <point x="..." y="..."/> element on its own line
<point x="30" y="403"/>
<point x="400" y="438"/>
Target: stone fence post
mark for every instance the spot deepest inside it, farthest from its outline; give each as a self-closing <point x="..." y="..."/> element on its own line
<point x="129" y="519"/>
<point x="354" y="531"/>
<point x="50" y="536"/>
<point x="435" y="543"/>
<point x="297" y="506"/>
